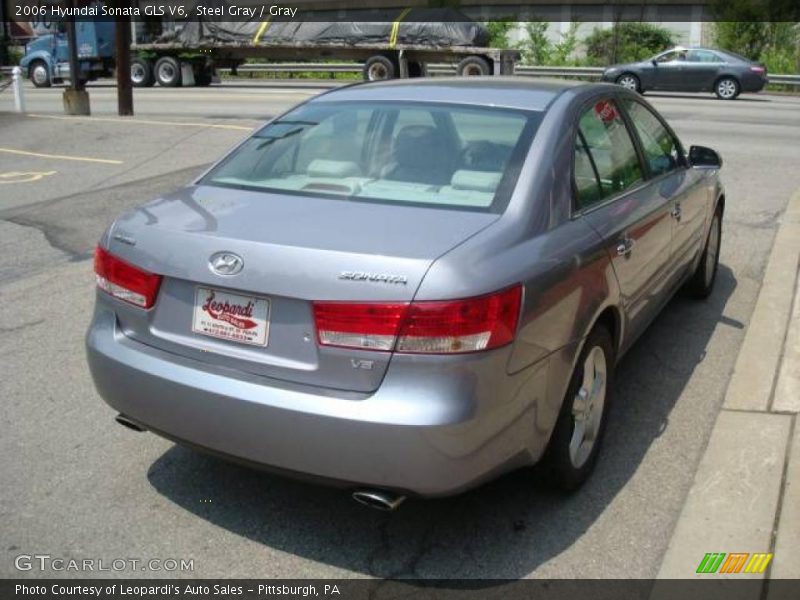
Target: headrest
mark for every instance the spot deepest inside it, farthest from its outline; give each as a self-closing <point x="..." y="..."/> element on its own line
<point x="478" y="181"/>
<point x="332" y="168"/>
<point x="418" y="146"/>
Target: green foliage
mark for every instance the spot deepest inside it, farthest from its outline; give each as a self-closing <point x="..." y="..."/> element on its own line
<point x="775" y="44"/>
<point x="626" y="42"/>
<point x="538" y="49"/>
<point x="498" y="32"/>
<point x="15" y="54"/>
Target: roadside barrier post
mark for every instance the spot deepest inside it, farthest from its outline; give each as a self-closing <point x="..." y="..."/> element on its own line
<point x="19" y="89"/>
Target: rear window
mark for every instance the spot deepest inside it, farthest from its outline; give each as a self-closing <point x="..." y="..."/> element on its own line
<point x="438" y="155"/>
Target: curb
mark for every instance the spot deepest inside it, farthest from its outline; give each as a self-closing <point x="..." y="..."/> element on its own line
<point x="745" y="497"/>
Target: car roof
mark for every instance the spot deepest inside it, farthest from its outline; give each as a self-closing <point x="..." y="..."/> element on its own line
<point x="507" y="92"/>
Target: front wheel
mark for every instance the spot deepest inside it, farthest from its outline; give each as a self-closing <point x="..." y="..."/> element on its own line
<point x="575" y="443"/>
<point x="630" y="82"/>
<point x="39" y="74"/>
<point x="726" y="88"/>
<point x="702" y="282"/>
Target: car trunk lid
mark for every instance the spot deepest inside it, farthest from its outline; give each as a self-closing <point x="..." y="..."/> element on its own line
<point x="295" y="249"/>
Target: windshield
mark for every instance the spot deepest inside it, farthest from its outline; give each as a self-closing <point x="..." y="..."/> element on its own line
<point x="414" y="153"/>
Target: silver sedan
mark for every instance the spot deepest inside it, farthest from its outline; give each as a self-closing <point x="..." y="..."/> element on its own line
<point x="407" y="287"/>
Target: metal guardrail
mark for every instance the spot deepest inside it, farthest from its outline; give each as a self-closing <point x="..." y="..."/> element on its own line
<point x="442" y="69"/>
<point x="449" y="69"/>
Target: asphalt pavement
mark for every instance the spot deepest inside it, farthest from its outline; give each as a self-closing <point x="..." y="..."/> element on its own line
<point x="76" y="485"/>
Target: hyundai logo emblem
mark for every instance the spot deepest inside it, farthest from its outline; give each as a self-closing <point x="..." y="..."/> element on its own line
<point x="225" y="263"/>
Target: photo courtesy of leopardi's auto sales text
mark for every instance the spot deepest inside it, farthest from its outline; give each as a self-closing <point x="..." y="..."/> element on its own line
<point x="452" y="299"/>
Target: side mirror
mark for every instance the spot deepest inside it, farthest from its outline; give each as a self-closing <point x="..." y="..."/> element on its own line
<point x="655" y="62"/>
<point x="700" y="156"/>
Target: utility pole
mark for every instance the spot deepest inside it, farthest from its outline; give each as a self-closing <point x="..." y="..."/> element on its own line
<point x="124" y="87"/>
<point x="4" y="37"/>
<point x="76" y="98"/>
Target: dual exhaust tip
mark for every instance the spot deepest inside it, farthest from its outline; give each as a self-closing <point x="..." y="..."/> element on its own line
<point x="378" y="499"/>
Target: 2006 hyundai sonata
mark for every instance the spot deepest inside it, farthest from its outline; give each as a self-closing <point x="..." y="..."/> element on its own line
<point x="407" y="287"/>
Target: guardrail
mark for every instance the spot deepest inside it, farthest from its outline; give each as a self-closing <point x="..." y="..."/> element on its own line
<point x="449" y="69"/>
<point x="441" y="69"/>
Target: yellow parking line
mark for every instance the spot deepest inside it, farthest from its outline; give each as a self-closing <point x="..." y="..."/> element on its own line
<point x="106" y="161"/>
<point x="145" y="122"/>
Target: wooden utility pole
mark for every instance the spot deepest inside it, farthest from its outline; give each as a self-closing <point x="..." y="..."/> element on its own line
<point x="124" y="87"/>
<point x="75" y="82"/>
<point x="76" y="98"/>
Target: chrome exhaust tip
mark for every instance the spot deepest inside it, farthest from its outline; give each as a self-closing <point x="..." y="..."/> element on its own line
<point x="126" y="422"/>
<point x="378" y="499"/>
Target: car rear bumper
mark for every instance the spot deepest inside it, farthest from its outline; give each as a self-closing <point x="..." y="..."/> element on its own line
<point x="428" y="430"/>
<point x="754" y="83"/>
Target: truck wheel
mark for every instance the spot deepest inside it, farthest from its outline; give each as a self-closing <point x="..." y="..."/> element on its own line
<point x="141" y="73"/>
<point x="473" y="66"/>
<point x="168" y="72"/>
<point x="39" y="74"/>
<point x="379" y="68"/>
<point x="203" y="77"/>
<point x="417" y="69"/>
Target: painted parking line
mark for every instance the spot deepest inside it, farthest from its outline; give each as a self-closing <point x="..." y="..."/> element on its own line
<point x="24" y="176"/>
<point x="145" y="122"/>
<point x="105" y="161"/>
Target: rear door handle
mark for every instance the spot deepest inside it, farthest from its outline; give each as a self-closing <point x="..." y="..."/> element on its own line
<point x="624" y="247"/>
<point x="676" y="211"/>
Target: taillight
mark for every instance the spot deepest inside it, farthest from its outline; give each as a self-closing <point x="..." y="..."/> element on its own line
<point x="759" y="70"/>
<point x="445" y="327"/>
<point x="124" y="281"/>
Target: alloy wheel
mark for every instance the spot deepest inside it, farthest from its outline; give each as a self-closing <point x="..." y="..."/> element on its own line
<point x="629" y="82"/>
<point x="587" y="407"/>
<point x="712" y="251"/>
<point x="726" y="89"/>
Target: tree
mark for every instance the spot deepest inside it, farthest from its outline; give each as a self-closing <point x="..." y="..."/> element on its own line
<point x="627" y="42"/>
<point x="498" y="32"/>
<point x="538" y="49"/>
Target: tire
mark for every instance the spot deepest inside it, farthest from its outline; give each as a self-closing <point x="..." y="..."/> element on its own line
<point x="203" y="78"/>
<point x="417" y="69"/>
<point x="473" y="66"/>
<point x="379" y="68"/>
<point x="727" y="88"/>
<point x="702" y="281"/>
<point x="39" y="74"/>
<point x="572" y="452"/>
<point x="630" y="82"/>
<point x="168" y="72"/>
<point x="141" y="73"/>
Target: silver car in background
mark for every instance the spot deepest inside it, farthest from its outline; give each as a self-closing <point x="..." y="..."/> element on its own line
<point x="407" y="287"/>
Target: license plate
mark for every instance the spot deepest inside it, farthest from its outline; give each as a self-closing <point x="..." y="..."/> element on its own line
<point x="233" y="317"/>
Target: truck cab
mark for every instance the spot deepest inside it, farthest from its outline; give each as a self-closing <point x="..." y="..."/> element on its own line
<point x="46" y="59"/>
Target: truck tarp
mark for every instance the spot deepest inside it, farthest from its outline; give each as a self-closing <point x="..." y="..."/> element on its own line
<point x="442" y="28"/>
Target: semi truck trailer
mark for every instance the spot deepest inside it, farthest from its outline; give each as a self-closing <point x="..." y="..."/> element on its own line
<point x="172" y="54"/>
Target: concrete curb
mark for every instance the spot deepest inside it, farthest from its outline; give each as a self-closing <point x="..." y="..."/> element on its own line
<point x="745" y="497"/>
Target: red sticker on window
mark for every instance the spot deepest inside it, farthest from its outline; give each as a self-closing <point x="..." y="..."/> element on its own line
<point x="606" y="111"/>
